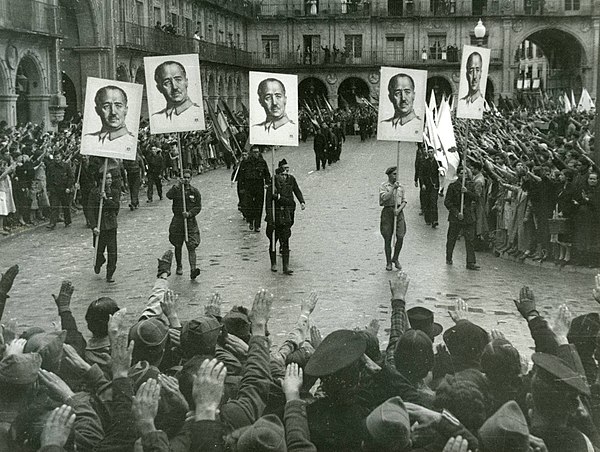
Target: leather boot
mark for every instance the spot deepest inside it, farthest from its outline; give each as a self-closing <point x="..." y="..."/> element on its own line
<point x="273" y="257"/>
<point x="194" y="271"/>
<point x="286" y="263"/>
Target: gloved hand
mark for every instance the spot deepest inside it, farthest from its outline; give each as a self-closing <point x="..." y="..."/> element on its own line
<point x="63" y="301"/>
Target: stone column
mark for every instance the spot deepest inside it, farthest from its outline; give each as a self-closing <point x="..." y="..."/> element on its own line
<point x="8" y="109"/>
<point x="333" y="100"/>
<point x="39" y="113"/>
<point x="506" y="89"/>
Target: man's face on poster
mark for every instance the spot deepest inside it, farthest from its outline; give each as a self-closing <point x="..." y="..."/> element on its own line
<point x="474" y="64"/>
<point x="172" y="83"/>
<point x="401" y="92"/>
<point x="111" y="106"/>
<point x="272" y="98"/>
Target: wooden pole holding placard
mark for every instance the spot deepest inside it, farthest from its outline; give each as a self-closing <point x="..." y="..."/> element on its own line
<point x="273" y="247"/>
<point x="394" y="238"/>
<point x="464" y="171"/>
<point x="185" y="225"/>
<point x="101" y="193"/>
<point x="77" y="185"/>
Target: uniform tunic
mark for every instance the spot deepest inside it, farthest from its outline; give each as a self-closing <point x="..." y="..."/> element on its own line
<point x="386" y="199"/>
<point x="193" y="204"/>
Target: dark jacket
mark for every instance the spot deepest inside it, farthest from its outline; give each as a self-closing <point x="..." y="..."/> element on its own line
<point x="110" y="208"/>
<point x="320" y="143"/>
<point x="193" y="200"/>
<point x="452" y="202"/>
<point x="59" y="176"/>
<point x="253" y="170"/>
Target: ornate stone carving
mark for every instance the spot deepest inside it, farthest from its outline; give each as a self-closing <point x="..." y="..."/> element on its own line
<point x="517" y="25"/>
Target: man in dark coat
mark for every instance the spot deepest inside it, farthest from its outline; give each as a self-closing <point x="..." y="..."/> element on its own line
<point x="320" y="146"/>
<point x="464" y="221"/>
<point x="135" y="170"/>
<point x="177" y="236"/>
<point x="430" y="184"/>
<point x="254" y="175"/>
<point x="279" y="227"/>
<point x="155" y="168"/>
<point x="106" y="234"/>
<point x="59" y="181"/>
<point x="23" y="179"/>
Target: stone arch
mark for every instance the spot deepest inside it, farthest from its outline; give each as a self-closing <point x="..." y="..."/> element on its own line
<point x="70" y="93"/>
<point x="212" y="85"/>
<point x="312" y="91"/>
<point x="221" y="86"/>
<point x="85" y="15"/>
<point x="140" y="78"/>
<point x="31" y="90"/>
<point x="6" y="81"/>
<point x="440" y="86"/>
<point x="565" y="53"/>
<point x="351" y="90"/>
<point x="490" y="91"/>
<point x="239" y="96"/>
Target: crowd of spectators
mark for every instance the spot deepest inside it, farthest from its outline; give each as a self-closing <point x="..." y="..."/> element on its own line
<point x="42" y="173"/>
<point x="154" y="382"/>
<point x="537" y="185"/>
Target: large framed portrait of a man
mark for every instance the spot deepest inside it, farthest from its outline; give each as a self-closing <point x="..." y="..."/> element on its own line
<point x="111" y="118"/>
<point x="401" y="104"/>
<point x="174" y="93"/>
<point x="474" y="68"/>
<point x="273" y="109"/>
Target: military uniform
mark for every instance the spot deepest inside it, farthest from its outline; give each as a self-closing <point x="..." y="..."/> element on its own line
<point x="456" y="225"/>
<point x="389" y="197"/>
<point x="253" y="176"/>
<point x="193" y="206"/>
<point x="59" y="178"/>
<point x="279" y="226"/>
<point x="107" y="238"/>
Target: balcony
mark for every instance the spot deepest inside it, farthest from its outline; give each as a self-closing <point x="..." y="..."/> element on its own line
<point x="155" y="41"/>
<point x="415" y="8"/>
<point x="412" y="58"/>
<point x="243" y="7"/>
<point x="29" y="16"/>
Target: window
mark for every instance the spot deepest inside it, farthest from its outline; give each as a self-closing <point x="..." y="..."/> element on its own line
<point x="394" y="48"/>
<point x="437" y="43"/>
<point x="175" y="21"/>
<point x="572" y="5"/>
<point x="270" y="46"/>
<point x="394" y="7"/>
<point x="221" y="36"/>
<point x="539" y="52"/>
<point x="354" y="45"/>
<point x="157" y="15"/>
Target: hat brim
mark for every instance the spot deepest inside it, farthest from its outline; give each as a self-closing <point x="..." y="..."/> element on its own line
<point x="436" y="329"/>
<point x="555" y="367"/>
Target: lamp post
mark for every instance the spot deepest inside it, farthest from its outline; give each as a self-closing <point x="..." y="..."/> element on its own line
<point x="479" y="31"/>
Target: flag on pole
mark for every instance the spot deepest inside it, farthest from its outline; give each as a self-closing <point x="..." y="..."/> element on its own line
<point x="585" y="103"/>
<point x="567" y="103"/>
<point x="230" y="116"/>
<point x="432" y="104"/>
<point x="217" y="129"/>
<point x="445" y="128"/>
<point x="573" y="103"/>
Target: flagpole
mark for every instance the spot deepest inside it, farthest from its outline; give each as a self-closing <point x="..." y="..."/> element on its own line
<point x="97" y="237"/>
<point x="464" y="174"/>
<point x="185" y="226"/>
<point x="396" y="195"/>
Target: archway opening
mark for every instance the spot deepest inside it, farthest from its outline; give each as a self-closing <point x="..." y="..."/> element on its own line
<point x="489" y="91"/>
<point x="353" y="92"/>
<point x="551" y="61"/>
<point x="70" y="93"/>
<point x="440" y="87"/>
<point x="28" y="82"/>
<point x="312" y="92"/>
<point x="140" y="79"/>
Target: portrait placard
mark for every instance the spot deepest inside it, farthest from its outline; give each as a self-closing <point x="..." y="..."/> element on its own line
<point x="474" y="68"/>
<point x="111" y="118"/>
<point x="273" y="109"/>
<point x="401" y="104"/>
<point x="174" y="93"/>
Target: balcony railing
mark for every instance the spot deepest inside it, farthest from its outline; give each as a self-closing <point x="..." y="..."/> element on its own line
<point x="365" y="58"/>
<point x="243" y="7"/>
<point x="415" y="8"/>
<point x="30" y="16"/>
<point x="157" y="41"/>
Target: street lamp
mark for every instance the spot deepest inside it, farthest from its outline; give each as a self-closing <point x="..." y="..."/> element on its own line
<point x="479" y="33"/>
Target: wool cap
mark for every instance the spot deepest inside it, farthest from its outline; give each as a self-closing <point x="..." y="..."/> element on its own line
<point x="150" y="332"/>
<point x="506" y="430"/>
<point x="49" y="346"/>
<point x="282" y="163"/>
<point x="199" y="336"/>
<point x="389" y="425"/>
<point x="21" y="369"/>
<point x="266" y="434"/>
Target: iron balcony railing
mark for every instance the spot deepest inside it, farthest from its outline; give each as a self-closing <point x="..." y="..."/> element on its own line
<point x="154" y="40"/>
<point x="29" y="16"/>
<point x="365" y="58"/>
<point x="416" y="8"/>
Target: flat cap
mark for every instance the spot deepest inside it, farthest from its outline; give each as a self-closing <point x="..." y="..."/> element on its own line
<point x="337" y="351"/>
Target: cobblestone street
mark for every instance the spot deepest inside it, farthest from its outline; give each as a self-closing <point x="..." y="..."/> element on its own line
<point x="336" y="250"/>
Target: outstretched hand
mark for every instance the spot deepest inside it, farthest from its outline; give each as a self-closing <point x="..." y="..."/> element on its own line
<point x="58" y="427"/>
<point x="308" y="304"/>
<point x="214" y="305"/>
<point x="209" y="383"/>
<point x="562" y="323"/>
<point x="457" y="444"/>
<point x="399" y="285"/>
<point x="292" y="382"/>
<point x="526" y="303"/>
<point x="461" y="311"/>
<point x="315" y="337"/>
<point x="144" y="406"/>
<point x="596" y="290"/>
<point x="261" y="312"/>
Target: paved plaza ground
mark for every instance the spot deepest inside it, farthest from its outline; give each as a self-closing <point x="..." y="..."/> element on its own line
<point x="336" y="250"/>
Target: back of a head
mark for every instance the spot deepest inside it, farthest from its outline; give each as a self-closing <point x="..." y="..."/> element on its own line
<point x="463" y="399"/>
<point x="500" y="362"/>
<point x="414" y="355"/>
<point x="98" y="313"/>
<point x="199" y="336"/>
<point x="552" y="399"/>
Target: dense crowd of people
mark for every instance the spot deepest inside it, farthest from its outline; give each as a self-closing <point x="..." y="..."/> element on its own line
<point x="216" y="382"/>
